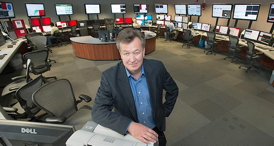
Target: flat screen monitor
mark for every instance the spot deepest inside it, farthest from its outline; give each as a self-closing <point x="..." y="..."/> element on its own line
<point x="197" y="26"/>
<point x="161" y="9"/>
<point x="118" y="8"/>
<point x="270" y="17"/>
<point x="234" y="31"/>
<point x="180" y="9"/>
<point x="160" y="22"/>
<point x="185" y="19"/>
<point x="185" y="26"/>
<point x="246" y="12"/>
<point x="46" y="28"/>
<point x="223" y="30"/>
<point x="178" y="18"/>
<point x="265" y="37"/>
<point x="167" y="17"/>
<point x="6" y="10"/>
<point x="37" y="29"/>
<point x="19" y="133"/>
<point x="82" y="23"/>
<point x="160" y="17"/>
<point x="63" y="9"/>
<point x="119" y="20"/>
<point x="140" y="8"/>
<point x="148" y="17"/>
<point x="221" y="10"/>
<point x="20" y="32"/>
<point x="72" y="22"/>
<point x="92" y="8"/>
<point x="18" y="24"/>
<point x="12" y="35"/>
<point x="194" y="10"/>
<point x="148" y="22"/>
<point x="62" y="24"/>
<point x="35" y="22"/>
<point x="45" y="21"/>
<point x="35" y="10"/>
<point x="141" y="22"/>
<point x="167" y="23"/>
<point x="205" y="27"/>
<point x="251" y="34"/>
<point x="140" y="17"/>
<point x="128" y="20"/>
<point x="104" y="35"/>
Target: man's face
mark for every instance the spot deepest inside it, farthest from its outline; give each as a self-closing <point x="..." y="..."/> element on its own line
<point x="132" y="55"/>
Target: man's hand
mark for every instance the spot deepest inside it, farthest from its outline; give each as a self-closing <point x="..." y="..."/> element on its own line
<point x="142" y="133"/>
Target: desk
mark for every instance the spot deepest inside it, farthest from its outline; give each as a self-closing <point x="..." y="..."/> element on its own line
<point x="92" y="48"/>
<point x="10" y="52"/>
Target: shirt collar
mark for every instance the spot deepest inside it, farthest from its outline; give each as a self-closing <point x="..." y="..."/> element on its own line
<point x="128" y="73"/>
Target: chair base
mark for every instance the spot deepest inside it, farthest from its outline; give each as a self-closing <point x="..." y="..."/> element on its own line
<point x="188" y="44"/>
<point x="233" y="58"/>
<point x="249" y="67"/>
<point x="211" y="51"/>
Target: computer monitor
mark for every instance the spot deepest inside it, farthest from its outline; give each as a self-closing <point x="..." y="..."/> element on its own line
<point x="270" y="17"/>
<point x="160" y="17"/>
<point x="221" y="10"/>
<point x="118" y="8"/>
<point x="234" y="31"/>
<point x="185" y="19"/>
<point x="251" y="34"/>
<point x="178" y="18"/>
<point x="160" y="22"/>
<point x="148" y="22"/>
<point x="140" y="17"/>
<point x="221" y="29"/>
<point x="128" y="20"/>
<point x="6" y="10"/>
<point x="167" y="23"/>
<point x="82" y="23"/>
<point x="72" y="22"/>
<point x="185" y="26"/>
<point x="19" y="133"/>
<point x="140" y="8"/>
<point x="12" y="35"/>
<point x="36" y="29"/>
<point x="18" y="24"/>
<point x="63" y="9"/>
<point x="194" y="10"/>
<point x="180" y="9"/>
<point x="46" y="28"/>
<point x="178" y="24"/>
<point x="141" y="22"/>
<point x="45" y="21"/>
<point x="119" y="20"/>
<point x="104" y="35"/>
<point x="20" y="32"/>
<point x="34" y="22"/>
<point x="161" y="9"/>
<point x="109" y="21"/>
<point x="264" y="37"/>
<point x="148" y="17"/>
<point x="92" y="8"/>
<point x="197" y="26"/>
<point x="167" y="17"/>
<point x="61" y="24"/>
<point x="205" y="27"/>
<point x="246" y="11"/>
<point x="35" y="9"/>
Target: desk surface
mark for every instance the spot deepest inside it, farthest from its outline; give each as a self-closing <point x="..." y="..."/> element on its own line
<point x="89" y="40"/>
<point x="10" y="52"/>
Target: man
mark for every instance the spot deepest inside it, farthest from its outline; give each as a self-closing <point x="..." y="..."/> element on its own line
<point x="53" y="30"/>
<point x="130" y="97"/>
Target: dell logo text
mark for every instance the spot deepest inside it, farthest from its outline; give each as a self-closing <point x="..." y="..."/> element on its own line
<point x="28" y="130"/>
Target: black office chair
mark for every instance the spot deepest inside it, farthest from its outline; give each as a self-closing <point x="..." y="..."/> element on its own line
<point x="251" y="58"/>
<point x="187" y="38"/>
<point x="39" y="62"/>
<point x="211" y="42"/>
<point x="8" y="94"/>
<point x="233" y="47"/>
<point x="158" y="30"/>
<point x="59" y="38"/>
<point x="169" y="35"/>
<point x="73" y="32"/>
<point x="29" y="36"/>
<point x="58" y="101"/>
<point x="95" y="29"/>
<point x="40" y="43"/>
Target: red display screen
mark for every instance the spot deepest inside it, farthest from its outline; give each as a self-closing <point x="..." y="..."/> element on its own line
<point x="72" y="22"/>
<point x="18" y="24"/>
<point x="45" y="21"/>
<point x="119" y="20"/>
<point x="34" y="22"/>
<point x="20" y="32"/>
<point x="127" y="20"/>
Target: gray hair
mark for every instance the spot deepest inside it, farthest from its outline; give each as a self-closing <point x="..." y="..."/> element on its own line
<point x="127" y="35"/>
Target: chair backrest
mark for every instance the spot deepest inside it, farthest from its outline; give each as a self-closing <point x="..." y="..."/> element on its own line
<point x="109" y="27"/>
<point x="56" y="98"/>
<point x="159" y="27"/>
<point x="39" y="61"/>
<point x="233" y="42"/>
<point x="250" y="51"/>
<point x="187" y="34"/>
<point x="95" y="26"/>
<point x="28" y="36"/>
<point x="40" y="42"/>
<point x="24" y="96"/>
<point x="210" y="37"/>
<point x="73" y="30"/>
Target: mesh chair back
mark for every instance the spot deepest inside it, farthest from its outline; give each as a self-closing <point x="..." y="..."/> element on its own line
<point x="187" y="34"/>
<point x="95" y="26"/>
<point x="28" y="36"/>
<point x="40" y="42"/>
<point x="250" y="50"/>
<point x="210" y="38"/>
<point x="234" y="41"/>
<point x="110" y="27"/>
<point x="39" y="63"/>
<point x="24" y="96"/>
<point x="73" y="30"/>
<point x="56" y="98"/>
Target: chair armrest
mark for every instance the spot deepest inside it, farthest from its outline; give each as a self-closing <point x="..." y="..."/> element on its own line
<point x="84" y="97"/>
<point x="18" y="77"/>
<point x="56" y="120"/>
<point x="10" y="109"/>
<point x="13" y="88"/>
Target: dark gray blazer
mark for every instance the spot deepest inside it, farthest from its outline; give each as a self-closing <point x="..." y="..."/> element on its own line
<point x="114" y="103"/>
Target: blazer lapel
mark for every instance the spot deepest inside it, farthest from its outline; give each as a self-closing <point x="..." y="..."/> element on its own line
<point x="124" y="86"/>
